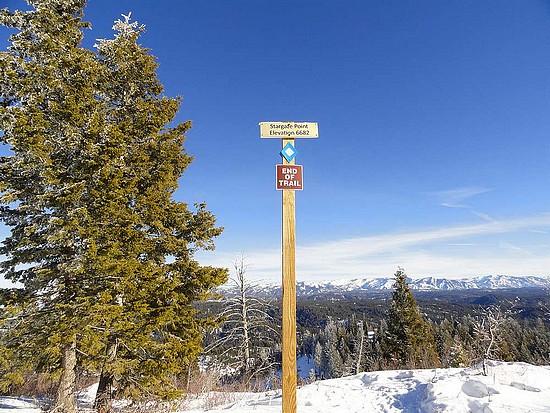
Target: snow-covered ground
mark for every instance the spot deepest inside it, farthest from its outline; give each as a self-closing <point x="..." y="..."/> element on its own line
<point x="13" y="405"/>
<point x="507" y="388"/>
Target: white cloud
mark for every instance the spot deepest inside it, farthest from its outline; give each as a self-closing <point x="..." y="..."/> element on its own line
<point x="424" y="252"/>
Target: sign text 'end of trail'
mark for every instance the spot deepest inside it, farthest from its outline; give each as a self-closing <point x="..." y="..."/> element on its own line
<point x="289" y="177"/>
<point x="295" y="130"/>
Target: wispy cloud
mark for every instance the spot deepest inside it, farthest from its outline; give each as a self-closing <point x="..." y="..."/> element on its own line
<point x="514" y="248"/>
<point x="483" y="216"/>
<point x="392" y="242"/>
<point x="423" y="252"/>
<point x="454" y="198"/>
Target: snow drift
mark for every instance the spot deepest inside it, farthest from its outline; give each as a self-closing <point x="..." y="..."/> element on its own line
<point x="507" y="388"/>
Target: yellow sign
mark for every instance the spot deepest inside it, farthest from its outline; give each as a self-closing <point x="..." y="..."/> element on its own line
<point x="282" y="130"/>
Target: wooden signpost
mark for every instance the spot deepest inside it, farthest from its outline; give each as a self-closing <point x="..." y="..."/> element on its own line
<point x="289" y="178"/>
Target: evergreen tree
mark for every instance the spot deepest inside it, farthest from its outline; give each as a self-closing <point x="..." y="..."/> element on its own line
<point x="155" y="247"/>
<point x="377" y="360"/>
<point x="540" y="344"/>
<point x="331" y="363"/>
<point x="449" y="347"/>
<point x="408" y="340"/>
<point x="307" y="344"/>
<point x="318" y="358"/>
<point x="104" y="254"/>
<point x="47" y="107"/>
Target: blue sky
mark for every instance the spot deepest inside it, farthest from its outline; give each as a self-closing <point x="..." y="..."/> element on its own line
<point x="434" y="123"/>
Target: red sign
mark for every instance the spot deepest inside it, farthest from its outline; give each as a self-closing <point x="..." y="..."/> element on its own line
<point x="289" y="177"/>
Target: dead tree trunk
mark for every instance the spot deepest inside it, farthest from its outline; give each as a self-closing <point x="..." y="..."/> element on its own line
<point x="244" y="315"/>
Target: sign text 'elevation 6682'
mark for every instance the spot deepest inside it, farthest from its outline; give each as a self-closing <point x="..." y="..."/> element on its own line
<point x="289" y="130"/>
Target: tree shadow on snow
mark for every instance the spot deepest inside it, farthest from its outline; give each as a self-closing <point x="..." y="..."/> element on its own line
<point x="12" y="407"/>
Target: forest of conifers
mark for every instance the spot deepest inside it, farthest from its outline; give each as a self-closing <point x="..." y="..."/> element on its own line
<point x="347" y="335"/>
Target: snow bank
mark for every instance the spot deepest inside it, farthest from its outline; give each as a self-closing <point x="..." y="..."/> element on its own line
<point x="507" y="388"/>
<point x="17" y="405"/>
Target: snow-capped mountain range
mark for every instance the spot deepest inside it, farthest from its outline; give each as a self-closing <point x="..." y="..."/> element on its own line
<point x="364" y="285"/>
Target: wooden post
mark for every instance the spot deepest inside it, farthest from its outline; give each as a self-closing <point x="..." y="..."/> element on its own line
<point x="289" y="296"/>
<point x="287" y="131"/>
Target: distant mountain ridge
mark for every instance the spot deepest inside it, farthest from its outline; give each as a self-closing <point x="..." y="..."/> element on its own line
<point x="365" y="285"/>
